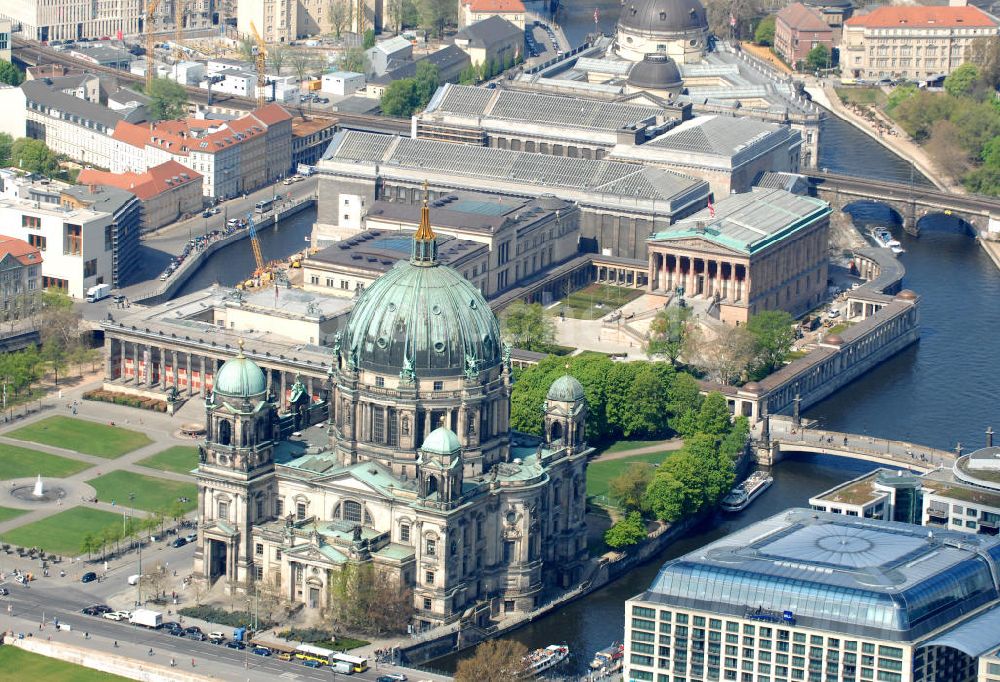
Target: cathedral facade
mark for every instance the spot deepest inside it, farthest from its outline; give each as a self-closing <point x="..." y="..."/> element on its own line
<point x="422" y="475"/>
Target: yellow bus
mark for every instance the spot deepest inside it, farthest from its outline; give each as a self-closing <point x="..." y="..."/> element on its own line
<point x="308" y="652"/>
<point x="358" y="664"/>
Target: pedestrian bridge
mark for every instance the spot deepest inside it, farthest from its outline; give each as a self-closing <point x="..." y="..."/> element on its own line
<point x="782" y="437"/>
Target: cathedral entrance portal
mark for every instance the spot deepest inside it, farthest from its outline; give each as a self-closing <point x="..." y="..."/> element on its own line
<point x="216" y="560"/>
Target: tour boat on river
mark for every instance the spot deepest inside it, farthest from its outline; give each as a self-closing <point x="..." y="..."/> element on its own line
<point x="540" y="660"/>
<point x="609" y="659"/>
<point x="740" y="497"/>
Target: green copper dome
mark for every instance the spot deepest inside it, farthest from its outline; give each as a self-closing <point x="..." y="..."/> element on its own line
<point x="566" y="389"/>
<point x="422" y="319"/>
<point x="441" y="441"/>
<point x="240" y="378"/>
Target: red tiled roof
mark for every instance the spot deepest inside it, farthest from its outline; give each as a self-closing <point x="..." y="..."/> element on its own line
<point x="912" y="16"/>
<point x="271" y="114"/>
<point x="153" y="182"/>
<point x="498" y="6"/>
<point x="802" y="18"/>
<point x="25" y="253"/>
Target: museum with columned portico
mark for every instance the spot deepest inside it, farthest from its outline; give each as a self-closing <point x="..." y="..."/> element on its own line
<point x="761" y="250"/>
<point x="420" y="474"/>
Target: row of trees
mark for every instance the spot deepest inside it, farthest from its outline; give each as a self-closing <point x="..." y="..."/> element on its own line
<point x="112" y="537"/>
<point x="407" y="95"/>
<point x="483" y="71"/>
<point x="29" y="155"/>
<point x="725" y="354"/>
<point x="691" y="480"/>
<point x="625" y="399"/>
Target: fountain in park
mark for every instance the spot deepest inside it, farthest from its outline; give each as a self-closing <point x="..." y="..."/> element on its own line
<point x="37" y="492"/>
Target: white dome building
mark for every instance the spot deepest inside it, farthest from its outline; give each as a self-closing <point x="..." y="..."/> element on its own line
<point x="676" y="28"/>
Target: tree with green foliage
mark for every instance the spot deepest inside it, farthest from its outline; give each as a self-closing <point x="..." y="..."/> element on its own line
<point x="437" y="14"/>
<point x="668" y="332"/>
<point x="773" y="332"/>
<point x="168" y="99"/>
<point x="818" y="58"/>
<point x="985" y="54"/>
<point x="354" y="59"/>
<point x="400" y="98"/>
<point x="468" y="76"/>
<point x="428" y="78"/>
<point x="34" y="156"/>
<point x="693" y="479"/>
<point x="526" y="326"/>
<point x="764" y="33"/>
<point x="625" y="533"/>
<point x="683" y="404"/>
<point x="962" y="81"/>
<point x="6" y="144"/>
<point x="629" y="487"/>
<point x="713" y="416"/>
<point x="10" y="74"/>
<point x="900" y="94"/>
<point x="368" y="40"/>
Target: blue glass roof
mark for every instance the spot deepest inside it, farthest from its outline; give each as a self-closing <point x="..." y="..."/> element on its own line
<point x="401" y="243"/>
<point x="858" y="576"/>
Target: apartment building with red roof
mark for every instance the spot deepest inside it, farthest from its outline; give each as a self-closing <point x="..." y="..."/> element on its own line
<point x="166" y="192"/>
<point x="912" y="42"/>
<point x="472" y="11"/>
<point x="797" y="30"/>
<point x="20" y="277"/>
<point x="232" y="157"/>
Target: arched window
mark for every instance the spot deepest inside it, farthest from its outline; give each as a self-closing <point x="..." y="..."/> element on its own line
<point x="352" y="511"/>
<point x="432" y="485"/>
<point x="556" y="432"/>
<point x="225" y="432"/>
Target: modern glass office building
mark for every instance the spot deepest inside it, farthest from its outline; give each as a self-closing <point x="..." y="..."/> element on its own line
<point x="819" y="597"/>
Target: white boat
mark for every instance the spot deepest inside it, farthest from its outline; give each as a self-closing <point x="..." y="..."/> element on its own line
<point x="883" y="238"/>
<point x="609" y="659"/>
<point x="897" y="249"/>
<point x="540" y="660"/>
<point x="740" y="497"/>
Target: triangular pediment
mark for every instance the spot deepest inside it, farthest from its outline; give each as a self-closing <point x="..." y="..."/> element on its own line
<point x="695" y="244"/>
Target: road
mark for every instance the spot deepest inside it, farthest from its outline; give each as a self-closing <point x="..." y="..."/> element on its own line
<point x="26" y="608"/>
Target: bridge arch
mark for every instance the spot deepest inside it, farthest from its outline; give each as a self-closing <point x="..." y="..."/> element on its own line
<point x="945" y="221"/>
<point x="864" y="211"/>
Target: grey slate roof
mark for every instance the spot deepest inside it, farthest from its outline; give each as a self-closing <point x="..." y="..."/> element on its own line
<point x="623" y="180"/>
<point x="107" y="199"/>
<point x="446" y="59"/>
<point x="533" y="107"/>
<point x="380" y="250"/>
<point x="721" y="135"/>
<point x="489" y="31"/>
<point x="41" y="93"/>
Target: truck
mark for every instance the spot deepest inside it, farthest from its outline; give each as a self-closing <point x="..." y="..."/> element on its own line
<point x="147" y="618"/>
<point x="97" y="292"/>
<point x="342" y="667"/>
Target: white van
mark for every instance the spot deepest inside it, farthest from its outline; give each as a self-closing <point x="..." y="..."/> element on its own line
<point x="134" y="579"/>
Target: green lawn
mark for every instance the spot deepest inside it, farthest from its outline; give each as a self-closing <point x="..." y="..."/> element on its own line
<point x="863" y="96"/>
<point x="18" y="462"/>
<point x="151" y="493"/>
<point x="622" y="445"/>
<point x="6" y="513"/>
<point x="90" y="438"/>
<point x="62" y="533"/>
<point x="600" y="473"/>
<point x="837" y="328"/>
<point x="594" y="301"/>
<point x="18" y="664"/>
<point x="180" y="459"/>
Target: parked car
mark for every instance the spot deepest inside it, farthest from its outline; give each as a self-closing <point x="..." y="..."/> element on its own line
<point x="196" y="636"/>
<point x="235" y="644"/>
<point x="392" y="677"/>
<point x="191" y="537"/>
<point x="312" y="664"/>
<point x="170" y="625"/>
<point x="117" y="615"/>
<point x="261" y="651"/>
<point x="4" y="592"/>
<point x="88" y="577"/>
<point x="192" y="629"/>
<point x="179" y="542"/>
<point x="176" y="632"/>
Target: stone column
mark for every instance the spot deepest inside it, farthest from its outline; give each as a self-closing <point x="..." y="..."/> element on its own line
<point x="281" y="396"/>
<point x="428" y="427"/>
<point x="149" y="365"/>
<point x="190" y="385"/>
<point x="136" y="377"/>
<point x="109" y="360"/>
<point x="202" y="384"/>
<point x="175" y="370"/>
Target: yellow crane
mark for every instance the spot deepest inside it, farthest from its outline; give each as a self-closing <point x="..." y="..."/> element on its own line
<point x="150" y="65"/>
<point x="255" y="245"/>
<point x="260" y="58"/>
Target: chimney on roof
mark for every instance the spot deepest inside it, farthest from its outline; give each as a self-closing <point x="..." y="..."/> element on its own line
<point x="957" y="3"/>
<point x="699" y="226"/>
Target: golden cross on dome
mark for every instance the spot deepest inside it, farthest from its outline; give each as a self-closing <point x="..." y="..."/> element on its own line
<point x="240" y="342"/>
<point x="424" y="232"/>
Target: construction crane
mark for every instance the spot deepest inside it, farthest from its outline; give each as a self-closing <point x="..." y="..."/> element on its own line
<point x="150" y="66"/>
<point x="178" y="35"/>
<point x="255" y="244"/>
<point x="260" y="58"/>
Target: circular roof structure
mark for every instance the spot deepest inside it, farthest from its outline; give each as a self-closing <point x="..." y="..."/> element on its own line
<point x="656" y="72"/>
<point x="240" y="377"/>
<point x="565" y="389"/>
<point x="907" y="295"/>
<point x="833" y="339"/>
<point x="663" y="16"/>
<point x="441" y="441"/>
<point x="424" y="319"/>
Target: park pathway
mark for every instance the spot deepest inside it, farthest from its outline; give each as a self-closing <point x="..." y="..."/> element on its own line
<point x="668" y="445"/>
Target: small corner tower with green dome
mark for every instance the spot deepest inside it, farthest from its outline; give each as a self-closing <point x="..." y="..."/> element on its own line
<point x="235" y="471"/>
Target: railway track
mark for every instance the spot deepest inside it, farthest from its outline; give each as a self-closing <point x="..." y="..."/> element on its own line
<point x="31" y="53"/>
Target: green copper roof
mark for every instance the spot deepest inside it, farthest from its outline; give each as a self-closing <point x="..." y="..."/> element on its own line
<point x="566" y="389"/>
<point x="240" y="377"/>
<point x="749" y="222"/>
<point x="441" y="441"/>
<point x="425" y="319"/>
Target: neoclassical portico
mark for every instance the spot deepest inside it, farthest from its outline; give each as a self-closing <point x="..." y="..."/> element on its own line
<point x="761" y="250"/>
